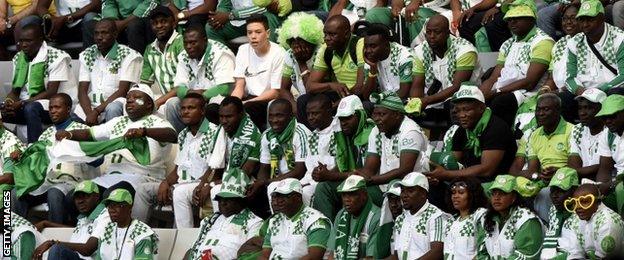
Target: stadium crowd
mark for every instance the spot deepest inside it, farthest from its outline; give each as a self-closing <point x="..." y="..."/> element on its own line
<point x="344" y="129"/>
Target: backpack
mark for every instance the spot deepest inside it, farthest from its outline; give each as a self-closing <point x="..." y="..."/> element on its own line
<point x="351" y="48"/>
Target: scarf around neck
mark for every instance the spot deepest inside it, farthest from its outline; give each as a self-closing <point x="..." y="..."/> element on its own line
<point x="31" y="74"/>
<point x="348" y="238"/>
<point x="277" y="143"/>
<point x="473" y="135"/>
<point x="346" y="157"/>
<point x="244" y="141"/>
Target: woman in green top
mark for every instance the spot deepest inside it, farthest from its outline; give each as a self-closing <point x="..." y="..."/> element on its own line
<point x="510" y="230"/>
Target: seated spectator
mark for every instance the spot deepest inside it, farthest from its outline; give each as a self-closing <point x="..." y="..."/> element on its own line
<point x="586" y="135"/>
<point x="483" y="25"/>
<point x="616" y="8"/>
<point x="374" y="11"/>
<point x="229" y="20"/>
<point x="351" y="142"/>
<point x="138" y="240"/>
<point x="393" y="201"/>
<point x="562" y="187"/>
<point x="205" y="67"/>
<point x="10" y="153"/>
<point x="301" y="34"/>
<point x="594" y="230"/>
<point x="222" y="234"/>
<point x="549" y="17"/>
<point x="283" y="149"/>
<point x="62" y="177"/>
<point x="298" y="231"/>
<point x="24" y="238"/>
<point x="441" y="64"/>
<point x="388" y="64"/>
<point x="521" y="64"/>
<point x="468" y="202"/>
<point x="415" y="14"/>
<point x="161" y="57"/>
<point x="258" y="72"/>
<point x="92" y="214"/>
<point x="195" y="152"/>
<point x="611" y="149"/>
<point x="585" y="68"/>
<point x="131" y="20"/>
<point x="341" y="57"/>
<point x="72" y="20"/>
<point x="139" y="123"/>
<point x="484" y="144"/>
<point x="357" y="233"/>
<point x="24" y="13"/>
<point x="192" y="12"/>
<point x="107" y="69"/>
<point x="419" y="232"/>
<point x="509" y="229"/>
<point x="38" y="72"/>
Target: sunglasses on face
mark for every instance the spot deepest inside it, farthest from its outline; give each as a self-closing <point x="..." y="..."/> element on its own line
<point x="585" y="202"/>
<point x="459" y="185"/>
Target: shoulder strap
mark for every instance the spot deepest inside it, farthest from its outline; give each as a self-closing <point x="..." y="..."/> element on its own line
<point x="327" y="57"/>
<point x="353" y="50"/>
<point x="599" y="56"/>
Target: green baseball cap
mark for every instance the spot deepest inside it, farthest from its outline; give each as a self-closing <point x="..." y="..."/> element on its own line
<point x="613" y="104"/>
<point x="520" y="8"/>
<point x="468" y="90"/>
<point x="87" y="187"/>
<point x="119" y="195"/>
<point x="565" y="178"/>
<point x="590" y="8"/>
<point x="506" y="183"/>
<point x="352" y="183"/>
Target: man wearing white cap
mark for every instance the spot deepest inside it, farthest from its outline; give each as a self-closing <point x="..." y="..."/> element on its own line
<point x="584" y="157"/>
<point x="351" y="142"/>
<point x="484" y="144"/>
<point x="420" y="231"/>
<point x="298" y="231"/>
<point x="124" y="166"/>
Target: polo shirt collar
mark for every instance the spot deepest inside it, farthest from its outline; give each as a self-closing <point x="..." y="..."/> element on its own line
<point x="421" y="210"/>
<point x="526" y="38"/>
<point x="561" y="127"/>
<point x="327" y="129"/>
<point x="169" y="42"/>
<point x="41" y="54"/>
<point x="205" y="126"/>
<point x="112" y="54"/>
<point x="298" y="214"/>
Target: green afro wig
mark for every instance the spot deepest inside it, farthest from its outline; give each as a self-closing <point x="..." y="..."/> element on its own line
<point x="301" y="25"/>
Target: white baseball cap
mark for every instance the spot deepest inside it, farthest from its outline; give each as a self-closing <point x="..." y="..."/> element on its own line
<point x="468" y="91"/>
<point x="143" y="88"/>
<point x="593" y="95"/>
<point x="288" y="186"/>
<point x="415" y="179"/>
<point x="348" y="105"/>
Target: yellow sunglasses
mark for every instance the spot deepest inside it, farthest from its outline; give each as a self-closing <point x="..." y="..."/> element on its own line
<point x="584" y="202"/>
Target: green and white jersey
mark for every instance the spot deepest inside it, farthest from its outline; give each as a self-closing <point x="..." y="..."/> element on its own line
<point x="585" y="145"/>
<point x="194" y="151"/>
<point x="395" y="69"/>
<point x="321" y="149"/>
<point x="223" y="236"/>
<point x="121" y="9"/>
<point x="559" y="62"/>
<point x="296" y="150"/>
<point x="520" y="237"/>
<point x="24" y="238"/>
<point x="585" y="69"/>
<point x="160" y="66"/>
<point x="517" y="54"/>
<point x="216" y="67"/>
<point x="367" y="237"/>
<point x="409" y="139"/>
<point x="290" y="238"/>
<point x="461" y="236"/>
<point x="460" y="55"/>
<point x="291" y="70"/>
<point x="467" y="4"/>
<point x="612" y="145"/>
<point x="137" y="241"/>
<point x="104" y="73"/>
<point x="87" y="224"/>
<point x="8" y="144"/>
<point x="413" y="233"/>
<point x="601" y="236"/>
<point x="122" y="162"/>
<point x="62" y="176"/>
<point x="553" y="232"/>
<point x="447" y="140"/>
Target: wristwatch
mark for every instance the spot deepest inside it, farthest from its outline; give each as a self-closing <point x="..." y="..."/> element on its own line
<point x="534" y="176"/>
<point x="181" y="15"/>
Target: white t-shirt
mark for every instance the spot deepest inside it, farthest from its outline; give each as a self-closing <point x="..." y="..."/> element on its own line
<point x="98" y="219"/>
<point x="612" y="145"/>
<point x="299" y="148"/>
<point x="214" y="68"/>
<point x="260" y="73"/>
<point x="413" y="233"/>
<point x="585" y="145"/>
<point x="194" y="152"/>
<point x="395" y="69"/>
<point x="321" y="148"/>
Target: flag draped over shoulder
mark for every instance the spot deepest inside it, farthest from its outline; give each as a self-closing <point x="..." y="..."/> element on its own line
<point x="30" y="171"/>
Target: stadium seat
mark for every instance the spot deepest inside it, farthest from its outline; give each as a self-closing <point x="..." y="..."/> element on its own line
<point x="62" y="234"/>
<point x="166" y="237"/>
<point x="184" y="240"/>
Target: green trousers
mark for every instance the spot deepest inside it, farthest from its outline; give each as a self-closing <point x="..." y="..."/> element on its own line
<point x="327" y="200"/>
<point x="229" y="31"/>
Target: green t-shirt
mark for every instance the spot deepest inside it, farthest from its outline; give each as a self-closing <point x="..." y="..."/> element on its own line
<point x="344" y="68"/>
<point x="551" y="149"/>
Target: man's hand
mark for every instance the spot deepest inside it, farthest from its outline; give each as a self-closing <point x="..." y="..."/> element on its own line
<point x="15" y="155"/>
<point x="62" y="134"/>
<point x="411" y="11"/>
<point x="254" y="188"/>
<point x="340" y="88"/>
<point x="135" y="133"/>
<point x="486" y="89"/>
<point x="465" y="15"/>
<point x="92" y="117"/>
<point x="489" y="15"/>
<point x="38" y="254"/>
<point x="159" y="102"/>
<point x="218" y="19"/>
<point x="15" y="106"/>
<point x="439" y="173"/>
<point x="164" y="193"/>
<point x="321" y="173"/>
<point x="57" y="23"/>
<point x="200" y="194"/>
<point x="397" y="6"/>
<point x="41" y="225"/>
<point x="373" y="66"/>
<point x="547" y="173"/>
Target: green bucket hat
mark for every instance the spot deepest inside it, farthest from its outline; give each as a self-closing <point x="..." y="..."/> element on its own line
<point x="506" y="183"/>
<point x="87" y="187"/>
<point x="590" y="8"/>
<point x="613" y="104"/>
<point x="234" y="185"/>
<point x="119" y="195"/>
<point x="520" y="8"/>
<point x="389" y="100"/>
<point x="565" y="178"/>
<point x="352" y="183"/>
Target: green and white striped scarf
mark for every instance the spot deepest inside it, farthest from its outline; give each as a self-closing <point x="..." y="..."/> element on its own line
<point x="348" y="237"/>
<point x="453" y="44"/>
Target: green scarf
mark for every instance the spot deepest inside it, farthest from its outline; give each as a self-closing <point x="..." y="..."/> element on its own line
<point x="473" y="135"/>
<point x="33" y="75"/>
<point x="30" y="171"/>
<point x="348" y="238"/>
<point x="277" y="142"/>
<point x="346" y="157"/>
<point x="246" y="139"/>
<point x="555" y="221"/>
